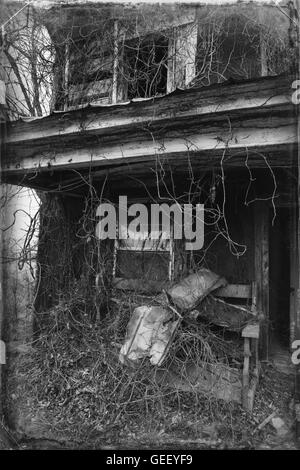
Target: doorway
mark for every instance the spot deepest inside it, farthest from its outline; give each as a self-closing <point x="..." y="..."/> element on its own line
<point x="279" y="282"/>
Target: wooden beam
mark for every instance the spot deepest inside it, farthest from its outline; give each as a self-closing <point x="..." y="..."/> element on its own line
<point x="139" y="285"/>
<point x="294" y="266"/>
<point x="251" y="331"/>
<point x="251" y="120"/>
<point x="115" y="63"/>
<point x="265" y="93"/>
<point x="241" y="291"/>
<point x="295" y="18"/>
<point x="261" y="267"/>
<point x="242" y="135"/>
<point x="247" y="119"/>
<point x="245" y="388"/>
<point x="2" y="344"/>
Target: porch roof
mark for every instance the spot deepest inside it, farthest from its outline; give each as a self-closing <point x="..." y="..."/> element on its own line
<point x="204" y="125"/>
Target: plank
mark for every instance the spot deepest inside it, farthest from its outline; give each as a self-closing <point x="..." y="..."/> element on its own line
<point x="139" y="285"/>
<point x="251" y="391"/>
<point x="253" y="94"/>
<point x="2" y="345"/>
<point x="245" y="386"/>
<point x="241" y="291"/>
<point x="261" y="265"/>
<point x="297" y="251"/>
<point x="297" y="306"/>
<point x="293" y="272"/>
<point x="243" y="135"/>
<point x="251" y="331"/>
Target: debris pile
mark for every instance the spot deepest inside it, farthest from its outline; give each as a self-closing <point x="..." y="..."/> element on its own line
<point x="177" y="318"/>
<point x="149" y="332"/>
<point x="70" y="385"/>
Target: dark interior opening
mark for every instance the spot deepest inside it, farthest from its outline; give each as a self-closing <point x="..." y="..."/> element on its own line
<point x="147" y="265"/>
<point x="280" y="279"/>
<point x="146" y="73"/>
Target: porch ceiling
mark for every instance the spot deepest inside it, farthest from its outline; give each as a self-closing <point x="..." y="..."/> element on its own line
<point x="229" y="123"/>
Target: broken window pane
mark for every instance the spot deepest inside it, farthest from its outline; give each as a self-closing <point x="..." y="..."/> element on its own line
<point x="145" y="68"/>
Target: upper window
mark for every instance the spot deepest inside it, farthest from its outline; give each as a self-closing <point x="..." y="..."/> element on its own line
<point x="90" y="74"/>
<point x="145" y="66"/>
<point x="229" y="48"/>
<point x="239" y="53"/>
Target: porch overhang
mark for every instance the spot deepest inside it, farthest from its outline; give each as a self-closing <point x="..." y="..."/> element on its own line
<point x="230" y="122"/>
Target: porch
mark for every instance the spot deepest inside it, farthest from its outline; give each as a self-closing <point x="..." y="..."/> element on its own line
<point x="230" y="147"/>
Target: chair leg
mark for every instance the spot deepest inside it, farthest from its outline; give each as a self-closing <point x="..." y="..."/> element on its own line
<point x="245" y="381"/>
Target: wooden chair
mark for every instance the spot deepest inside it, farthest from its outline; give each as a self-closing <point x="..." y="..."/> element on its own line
<point x="246" y="293"/>
<point x="250" y="375"/>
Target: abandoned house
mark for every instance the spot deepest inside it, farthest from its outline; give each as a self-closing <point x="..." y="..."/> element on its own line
<point x="169" y="104"/>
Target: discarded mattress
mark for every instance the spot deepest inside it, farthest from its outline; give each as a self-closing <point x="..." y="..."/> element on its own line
<point x="151" y="329"/>
<point x="149" y="333"/>
<point x="223" y="314"/>
<point x="186" y="294"/>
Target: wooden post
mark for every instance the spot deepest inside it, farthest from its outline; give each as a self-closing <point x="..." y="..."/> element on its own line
<point x="261" y="265"/>
<point x="115" y="64"/>
<point x="263" y="47"/>
<point x="245" y="389"/>
<point x="2" y="345"/>
<point x="172" y="61"/>
<point x="66" y="74"/>
<point x="297" y="306"/>
<point x="294" y="262"/>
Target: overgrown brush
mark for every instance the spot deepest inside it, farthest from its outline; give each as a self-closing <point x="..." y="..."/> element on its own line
<point x="76" y="382"/>
<point x="74" y="375"/>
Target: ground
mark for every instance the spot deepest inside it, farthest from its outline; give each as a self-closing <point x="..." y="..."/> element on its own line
<point x="67" y="389"/>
